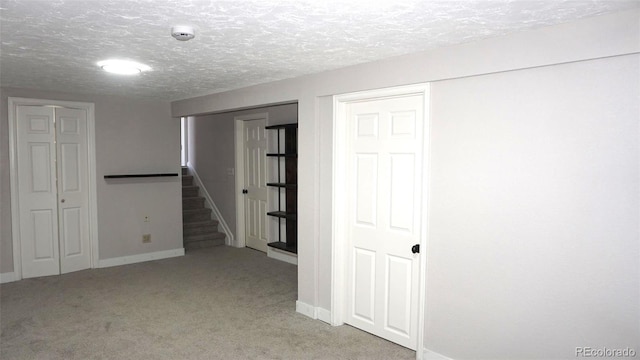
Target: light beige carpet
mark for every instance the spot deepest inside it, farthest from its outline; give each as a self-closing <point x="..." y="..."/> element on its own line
<point x="217" y="303"/>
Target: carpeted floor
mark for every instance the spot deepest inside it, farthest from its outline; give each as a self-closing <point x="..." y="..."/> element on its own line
<point x="217" y="303"/>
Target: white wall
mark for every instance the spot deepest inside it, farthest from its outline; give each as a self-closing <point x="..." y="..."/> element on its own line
<point x="533" y="222"/>
<point x="132" y="136"/>
<point x="525" y="297"/>
<point x="212" y="152"/>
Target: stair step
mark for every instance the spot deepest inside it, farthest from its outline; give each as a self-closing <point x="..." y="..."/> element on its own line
<point x="187" y="180"/>
<point x="203" y="244"/>
<point x="190" y="191"/>
<point x="195" y="224"/>
<point x="201" y="237"/>
<point x="185" y="170"/>
<point x="190" y="203"/>
<point x="198" y="230"/>
<point x="196" y="215"/>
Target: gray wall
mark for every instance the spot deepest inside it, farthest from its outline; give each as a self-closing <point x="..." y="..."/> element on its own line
<point x="132" y="136"/>
<point x="212" y="152"/>
<point x="534" y="194"/>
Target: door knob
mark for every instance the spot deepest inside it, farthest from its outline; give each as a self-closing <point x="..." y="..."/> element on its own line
<point x="415" y="248"/>
<point x="245" y="191"/>
<point x="62" y="200"/>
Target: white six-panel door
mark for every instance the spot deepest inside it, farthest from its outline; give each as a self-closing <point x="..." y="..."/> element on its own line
<point x="73" y="199"/>
<point x="37" y="191"/>
<point x="384" y="174"/>
<point x="255" y="182"/>
<point x="52" y="190"/>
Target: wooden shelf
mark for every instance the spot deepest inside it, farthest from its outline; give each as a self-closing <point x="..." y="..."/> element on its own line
<point x="283" y="185"/>
<point x="283" y="155"/>
<point x="283" y="246"/>
<point x="128" y="176"/>
<point x="282" y="126"/>
<point x="283" y="215"/>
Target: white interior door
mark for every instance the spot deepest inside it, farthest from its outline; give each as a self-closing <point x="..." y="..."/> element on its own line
<point x="384" y="174"/>
<point x="73" y="195"/>
<point x="255" y="182"/>
<point x="37" y="191"/>
<point x="53" y="190"/>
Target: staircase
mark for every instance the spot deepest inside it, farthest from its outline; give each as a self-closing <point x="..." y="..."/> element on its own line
<point x="199" y="230"/>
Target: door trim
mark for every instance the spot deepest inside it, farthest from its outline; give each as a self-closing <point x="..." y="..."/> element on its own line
<point x="13" y="103"/>
<point x="240" y="239"/>
<point x="340" y="198"/>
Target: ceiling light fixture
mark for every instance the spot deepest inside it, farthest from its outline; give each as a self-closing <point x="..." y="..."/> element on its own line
<point x="183" y="32"/>
<point x="123" y="67"/>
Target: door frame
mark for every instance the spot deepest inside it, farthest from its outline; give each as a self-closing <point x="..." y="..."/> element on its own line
<point x="239" y="121"/>
<point x="340" y="199"/>
<point x="13" y="103"/>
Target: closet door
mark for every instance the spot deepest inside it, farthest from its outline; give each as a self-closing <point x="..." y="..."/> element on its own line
<point x="53" y="190"/>
<point x="73" y="195"/>
<point x="37" y="191"/>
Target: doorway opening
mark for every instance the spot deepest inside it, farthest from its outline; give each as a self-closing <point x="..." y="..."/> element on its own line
<point x="216" y="159"/>
<point x="266" y="181"/>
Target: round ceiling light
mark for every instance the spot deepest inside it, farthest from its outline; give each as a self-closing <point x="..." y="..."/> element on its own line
<point x="123" y="67"/>
<point x="183" y="32"/>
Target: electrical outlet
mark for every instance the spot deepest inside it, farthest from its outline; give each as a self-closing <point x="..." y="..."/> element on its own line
<point x="146" y="238"/>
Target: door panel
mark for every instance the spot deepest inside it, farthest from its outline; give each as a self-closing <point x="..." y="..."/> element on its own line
<point x="364" y="274"/>
<point x="398" y="287"/>
<point x="37" y="191"/>
<point x="255" y="146"/>
<point x="366" y="188"/>
<point x="40" y="174"/>
<point x="73" y="189"/>
<point x="70" y="180"/>
<point x="401" y="192"/>
<point x="385" y="155"/>
<point x="43" y="235"/>
<point x="70" y="229"/>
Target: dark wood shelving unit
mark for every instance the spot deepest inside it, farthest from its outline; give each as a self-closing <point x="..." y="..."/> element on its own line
<point x="289" y="134"/>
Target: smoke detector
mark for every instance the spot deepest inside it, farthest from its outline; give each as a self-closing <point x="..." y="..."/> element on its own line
<point x="183" y="32"/>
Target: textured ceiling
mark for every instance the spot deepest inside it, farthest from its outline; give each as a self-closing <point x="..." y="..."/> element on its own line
<point x="55" y="44"/>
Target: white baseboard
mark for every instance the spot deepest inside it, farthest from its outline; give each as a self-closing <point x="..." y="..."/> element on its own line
<point x="7" y="277"/>
<point x="282" y="255"/>
<point x="306" y="309"/>
<point x="323" y="315"/>
<point x="229" y="239"/>
<point x="432" y="355"/>
<point x="132" y="259"/>
<point x="316" y="313"/>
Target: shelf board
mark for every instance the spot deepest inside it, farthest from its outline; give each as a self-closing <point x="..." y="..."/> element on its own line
<point x="283" y="215"/>
<point x="282" y="126"/>
<point x="283" y="155"/>
<point x="127" y="176"/>
<point x="283" y="185"/>
<point x="283" y="246"/>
